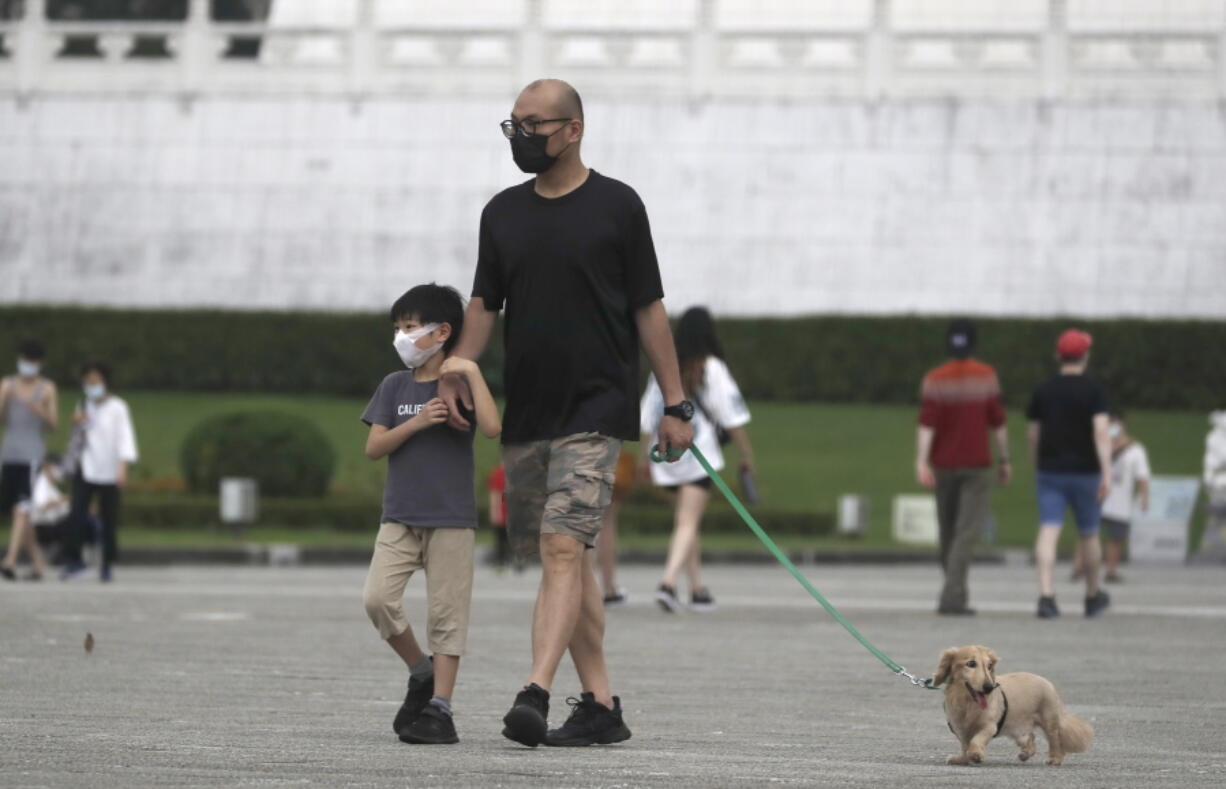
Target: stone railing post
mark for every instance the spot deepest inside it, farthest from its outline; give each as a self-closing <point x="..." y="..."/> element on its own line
<point x="196" y="49"/>
<point x="879" y="52"/>
<point x="704" y="55"/>
<point x="1055" y="51"/>
<point x="363" y="49"/>
<point x="532" y="44"/>
<point x="32" y="47"/>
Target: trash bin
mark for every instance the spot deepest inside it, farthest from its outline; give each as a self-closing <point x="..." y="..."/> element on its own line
<point x="853" y="515"/>
<point x="239" y="501"/>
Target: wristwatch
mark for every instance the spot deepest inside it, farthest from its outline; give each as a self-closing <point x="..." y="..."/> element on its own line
<point x="683" y="410"/>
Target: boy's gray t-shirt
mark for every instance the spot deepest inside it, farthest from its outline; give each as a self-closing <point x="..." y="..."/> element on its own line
<point x="430" y="476"/>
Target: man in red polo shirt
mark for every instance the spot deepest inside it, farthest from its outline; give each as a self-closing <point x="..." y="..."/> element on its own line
<point x="960" y="404"/>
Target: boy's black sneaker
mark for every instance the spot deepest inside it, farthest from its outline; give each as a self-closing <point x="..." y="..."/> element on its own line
<point x="525" y="723"/>
<point x="617" y="597"/>
<point x="419" y="695"/>
<point x="666" y="596"/>
<point x="590" y="723"/>
<point x="1097" y="604"/>
<point x="432" y="726"/>
<point x="1047" y="608"/>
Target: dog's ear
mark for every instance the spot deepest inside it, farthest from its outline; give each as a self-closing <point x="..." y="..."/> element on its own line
<point x="992" y="660"/>
<point x="943" y="666"/>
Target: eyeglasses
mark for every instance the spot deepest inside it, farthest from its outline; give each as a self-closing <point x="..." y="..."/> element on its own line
<point x="525" y="128"/>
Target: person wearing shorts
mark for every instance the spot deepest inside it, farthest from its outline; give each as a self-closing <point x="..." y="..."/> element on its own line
<point x="569" y="255"/>
<point x="606" y="548"/>
<point x="429" y="512"/>
<point x="28" y="411"/>
<point x="1071" y="448"/>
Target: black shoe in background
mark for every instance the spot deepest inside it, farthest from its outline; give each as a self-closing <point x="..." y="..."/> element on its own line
<point x="419" y="695"/>
<point x="432" y="726"/>
<point x="666" y="596"/>
<point x="1047" y="608"/>
<point x="590" y="723"/>
<point x="525" y="723"/>
<point x="702" y="601"/>
<point x="1097" y="604"/>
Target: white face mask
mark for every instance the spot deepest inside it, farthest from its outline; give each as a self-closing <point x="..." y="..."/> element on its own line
<point x="406" y="345"/>
<point x="28" y="369"/>
<point x="94" y="392"/>
<point x="1115" y="431"/>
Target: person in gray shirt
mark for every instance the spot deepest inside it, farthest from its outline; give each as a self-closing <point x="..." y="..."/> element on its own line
<point x="29" y="409"/>
<point x="429" y="511"/>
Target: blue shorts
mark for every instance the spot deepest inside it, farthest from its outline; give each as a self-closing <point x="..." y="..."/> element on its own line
<point x="1078" y="492"/>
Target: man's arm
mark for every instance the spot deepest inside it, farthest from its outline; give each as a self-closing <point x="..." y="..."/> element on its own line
<point x="1032" y="442"/>
<point x="452" y="388"/>
<point x="657" y="340"/>
<point x="923" y="451"/>
<point x="1005" y="463"/>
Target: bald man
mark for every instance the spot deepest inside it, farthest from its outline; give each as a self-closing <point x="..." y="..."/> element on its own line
<point x="569" y="256"/>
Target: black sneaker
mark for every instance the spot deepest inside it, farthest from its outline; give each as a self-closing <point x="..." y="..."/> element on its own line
<point x="666" y="596"/>
<point x="419" y="695"/>
<point x="1097" y="604"/>
<point x="525" y="723"/>
<point x="617" y="597"/>
<point x="1047" y="608"/>
<point x="702" y="601"/>
<point x="7" y="573"/>
<point x="432" y="726"/>
<point x="590" y="723"/>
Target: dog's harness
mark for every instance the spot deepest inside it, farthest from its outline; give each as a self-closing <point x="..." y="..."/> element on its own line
<point x="1000" y="724"/>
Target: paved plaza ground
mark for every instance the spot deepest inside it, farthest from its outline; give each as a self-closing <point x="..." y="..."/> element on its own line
<point x="274" y="677"/>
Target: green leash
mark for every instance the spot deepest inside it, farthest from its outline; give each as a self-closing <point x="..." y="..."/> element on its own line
<point x="791" y="568"/>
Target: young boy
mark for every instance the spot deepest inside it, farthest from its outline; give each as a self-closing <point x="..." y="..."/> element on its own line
<point x="429" y="512"/>
<point x="1129" y="479"/>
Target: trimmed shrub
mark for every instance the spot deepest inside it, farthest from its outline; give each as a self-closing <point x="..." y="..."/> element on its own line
<point x="1144" y="363"/>
<point x="288" y="455"/>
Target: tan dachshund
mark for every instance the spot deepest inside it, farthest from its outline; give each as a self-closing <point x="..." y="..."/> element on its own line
<point x="980" y="706"/>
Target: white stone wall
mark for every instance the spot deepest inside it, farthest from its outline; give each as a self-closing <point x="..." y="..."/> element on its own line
<point x="758" y="207"/>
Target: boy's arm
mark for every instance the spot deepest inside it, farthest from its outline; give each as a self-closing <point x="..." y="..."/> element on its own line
<point x="383" y="440"/>
<point x="489" y="421"/>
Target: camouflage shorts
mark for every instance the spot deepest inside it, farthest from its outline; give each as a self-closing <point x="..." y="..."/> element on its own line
<point x="561" y="486"/>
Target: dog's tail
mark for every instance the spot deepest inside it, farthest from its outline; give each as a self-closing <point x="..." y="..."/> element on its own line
<point x="1075" y="733"/>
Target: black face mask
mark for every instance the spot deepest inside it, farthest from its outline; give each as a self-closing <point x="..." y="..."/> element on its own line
<point x="529" y="153"/>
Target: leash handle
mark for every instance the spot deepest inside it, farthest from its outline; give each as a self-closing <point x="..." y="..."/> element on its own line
<point x="659" y="457"/>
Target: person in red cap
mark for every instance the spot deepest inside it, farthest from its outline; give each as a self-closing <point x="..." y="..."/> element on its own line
<point x="1071" y="448"/>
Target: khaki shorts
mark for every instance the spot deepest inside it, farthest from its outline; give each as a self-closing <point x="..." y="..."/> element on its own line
<point x="446" y="555"/>
<point x="561" y="486"/>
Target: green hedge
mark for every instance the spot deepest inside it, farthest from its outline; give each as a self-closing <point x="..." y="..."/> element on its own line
<point x="1146" y="364"/>
<point x="361" y="514"/>
<point x="288" y="455"/>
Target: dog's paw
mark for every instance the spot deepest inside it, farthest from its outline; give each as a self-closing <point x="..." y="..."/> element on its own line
<point x="1055" y="761"/>
<point x="975" y="755"/>
<point x="1023" y="756"/>
<point x="958" y="760"/>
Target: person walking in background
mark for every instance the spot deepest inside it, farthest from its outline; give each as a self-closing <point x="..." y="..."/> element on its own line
<point x="102" y="471"/>
<point x="718" y="405"/>
<point x="1129" y="487"/>
<point x="1070" y="445"/>
<point x="1215" y="481"/>
<point x="496" y="485"/>
<point x="29" y="409"/>
<point x="606" y="543"/>
<point x="960" y="405"/>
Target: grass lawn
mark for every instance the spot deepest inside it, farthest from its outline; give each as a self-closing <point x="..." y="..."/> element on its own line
<point x="808" y="453"/>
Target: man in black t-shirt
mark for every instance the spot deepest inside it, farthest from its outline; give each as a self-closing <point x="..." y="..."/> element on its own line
<point x="1071" y="448"/>
<point x="569" y="256"/>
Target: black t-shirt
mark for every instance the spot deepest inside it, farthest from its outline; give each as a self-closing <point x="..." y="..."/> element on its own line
<point x="1064" y="407"/>
<point x="571" y="272"/>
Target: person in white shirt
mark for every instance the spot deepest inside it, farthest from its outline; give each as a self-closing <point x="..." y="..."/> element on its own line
<point x="1129" y="488"/>
<point x="36" y="520"/>
<point x="102" y="471"/>
<point x="719" y="408"/>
